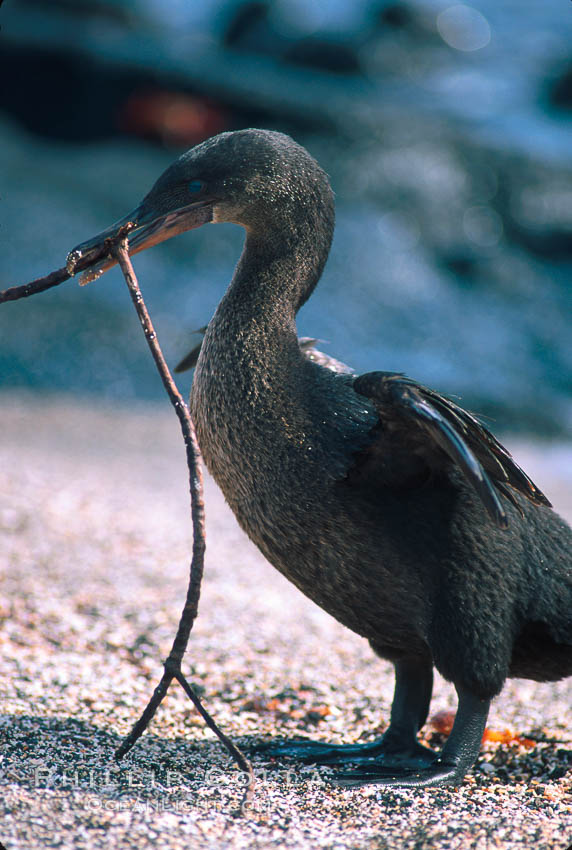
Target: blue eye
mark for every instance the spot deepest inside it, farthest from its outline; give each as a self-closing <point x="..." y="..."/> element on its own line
<point x="196" y="186"/>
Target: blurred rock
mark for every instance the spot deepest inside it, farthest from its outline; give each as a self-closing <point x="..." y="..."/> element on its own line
<point x="560" y="94"/>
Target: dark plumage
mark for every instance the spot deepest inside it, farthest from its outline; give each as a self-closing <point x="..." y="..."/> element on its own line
<point x="387" y="504"/>
<point x="307" y="346"/>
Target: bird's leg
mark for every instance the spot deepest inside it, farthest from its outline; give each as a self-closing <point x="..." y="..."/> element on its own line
<point x="447" y="768"/>
<point x="397" y="748"/>
<point x="409" y="710"/>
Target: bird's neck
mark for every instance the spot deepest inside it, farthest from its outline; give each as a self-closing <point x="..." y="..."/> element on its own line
<point x="248" y="398"/>
<point x="275" y="275"/>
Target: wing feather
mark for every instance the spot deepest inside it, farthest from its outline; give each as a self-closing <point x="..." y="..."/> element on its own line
<point x="486" y="464"/>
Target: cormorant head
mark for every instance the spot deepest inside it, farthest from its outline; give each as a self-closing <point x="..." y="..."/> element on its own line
<point x="260" y="179"/>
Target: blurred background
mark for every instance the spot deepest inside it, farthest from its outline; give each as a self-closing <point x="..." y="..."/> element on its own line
<point x="446" y="129"/>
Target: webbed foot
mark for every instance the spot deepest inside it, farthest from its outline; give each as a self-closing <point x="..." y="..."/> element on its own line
<point x="397" y="749"/>
<point x="412" y="755"/>
<point x="436" y="773"/>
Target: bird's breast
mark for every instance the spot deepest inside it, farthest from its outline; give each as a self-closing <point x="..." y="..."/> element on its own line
<point x="280" y="455"/>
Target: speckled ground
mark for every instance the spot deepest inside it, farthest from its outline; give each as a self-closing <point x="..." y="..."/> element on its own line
<point x="94" y="543"/>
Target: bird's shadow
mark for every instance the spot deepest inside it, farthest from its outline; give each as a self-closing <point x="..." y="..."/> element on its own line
<point x="66" y="754"/>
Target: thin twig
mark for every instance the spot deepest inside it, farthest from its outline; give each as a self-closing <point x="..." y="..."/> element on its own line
<point x="237" y="754"/>
<point x="190" y="610"/>
<point x="38" y="285"/>
<point x="74" y="265"/>
<point x="117" y="247"/>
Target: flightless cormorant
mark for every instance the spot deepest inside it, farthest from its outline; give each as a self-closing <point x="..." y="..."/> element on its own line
<point x="387" y="504"/>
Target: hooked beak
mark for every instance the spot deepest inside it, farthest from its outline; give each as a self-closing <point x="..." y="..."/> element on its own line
<point x="148" y="228"/>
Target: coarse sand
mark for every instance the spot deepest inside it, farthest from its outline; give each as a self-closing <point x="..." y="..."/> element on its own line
<point x="95" y="549"/>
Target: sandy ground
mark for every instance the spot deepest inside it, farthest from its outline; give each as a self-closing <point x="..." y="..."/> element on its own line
<point x="95" y="541"/>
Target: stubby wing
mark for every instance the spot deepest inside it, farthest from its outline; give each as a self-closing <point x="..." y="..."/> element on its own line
<point x="191" y="359"/>
<point x="308" y="348"/>
<point x="407" y="407"/>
